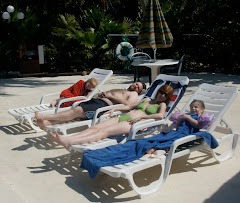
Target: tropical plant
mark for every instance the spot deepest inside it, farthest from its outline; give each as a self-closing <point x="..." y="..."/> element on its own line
<point x="88" y="35"/>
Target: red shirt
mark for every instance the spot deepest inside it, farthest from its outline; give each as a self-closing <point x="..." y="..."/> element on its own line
<point x="76" y="90"/>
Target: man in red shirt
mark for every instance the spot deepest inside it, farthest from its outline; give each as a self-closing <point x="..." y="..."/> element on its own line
<point x="81" y="88"/>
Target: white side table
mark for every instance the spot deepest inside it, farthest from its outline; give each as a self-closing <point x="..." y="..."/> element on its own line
<point x="156" y="65"/>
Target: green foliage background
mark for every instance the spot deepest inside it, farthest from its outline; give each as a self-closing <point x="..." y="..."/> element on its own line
<point x="75" y="33"/>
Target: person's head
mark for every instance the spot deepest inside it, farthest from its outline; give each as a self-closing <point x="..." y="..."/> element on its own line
<point x="91" y="83"/>
<point x="137" y="87"/>
<point x="197" y="107"/>
<point x="164" y="94"/>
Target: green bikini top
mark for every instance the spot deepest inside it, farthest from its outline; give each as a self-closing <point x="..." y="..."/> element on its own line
<point x="149" y="110"/>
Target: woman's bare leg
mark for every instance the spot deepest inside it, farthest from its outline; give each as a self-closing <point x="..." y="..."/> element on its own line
<point x="92" y="130"/>
<point x="105" y="129"/>
<point x="67" y="141"/>
<point x="95" y="128"/>
<point x="113" y="130"/>
<point x="57" y="138"/>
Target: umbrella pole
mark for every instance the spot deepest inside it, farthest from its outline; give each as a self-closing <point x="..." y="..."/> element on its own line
<point x="155" y="53"/>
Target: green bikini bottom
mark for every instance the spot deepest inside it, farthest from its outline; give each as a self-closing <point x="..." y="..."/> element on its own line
<point x="124" y="117"/>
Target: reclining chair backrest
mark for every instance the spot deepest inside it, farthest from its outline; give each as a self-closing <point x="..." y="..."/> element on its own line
<point x="216" y="99"/>
<point x="179" y="83"/>
<point x="176" y="69"/>
<point x="101" y="75"/>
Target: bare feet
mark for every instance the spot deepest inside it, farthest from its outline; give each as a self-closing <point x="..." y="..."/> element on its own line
<point x="41" y="124"/>
<point x="53" y="103"/>
<point x="38" y="116"/>
<point x="53" y="137"/>
<point x="151" y="151"/>
<point x="60" y="140"/>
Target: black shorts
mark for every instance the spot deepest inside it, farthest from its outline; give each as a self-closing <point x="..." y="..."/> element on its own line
<point x="91" y="106"/>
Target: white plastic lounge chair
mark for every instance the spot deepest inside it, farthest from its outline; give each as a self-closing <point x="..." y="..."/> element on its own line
<point x="217" y="100"/>
<point x="179" y="82"/>
<point x="27" y="114"/>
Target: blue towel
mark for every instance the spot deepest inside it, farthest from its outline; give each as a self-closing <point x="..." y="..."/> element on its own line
<point x="133" y="149"/>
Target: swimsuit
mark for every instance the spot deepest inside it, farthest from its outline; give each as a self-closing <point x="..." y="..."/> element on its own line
<point x="124" y="117"/>
<point x="149" y="110"/>
<point x="91" y="106"/>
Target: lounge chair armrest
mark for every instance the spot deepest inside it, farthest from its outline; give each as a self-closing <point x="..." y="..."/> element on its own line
<point x="48" y="95"/>
<point x="78" y="102"/>
<point x="106" y="108"/>
<point x="173" y="147"/>
<point x="181" y="141"/>
<point x="144" y="124"/>
<point x="70" y="99"/>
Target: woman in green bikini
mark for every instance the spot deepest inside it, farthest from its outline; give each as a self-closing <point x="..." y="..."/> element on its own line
<point x="144" y="109"/>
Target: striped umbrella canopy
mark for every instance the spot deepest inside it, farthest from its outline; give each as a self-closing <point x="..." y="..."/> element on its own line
<point x="154" y="31"/>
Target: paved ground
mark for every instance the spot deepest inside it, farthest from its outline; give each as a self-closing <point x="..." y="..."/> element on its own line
<point x="34" y="169"/>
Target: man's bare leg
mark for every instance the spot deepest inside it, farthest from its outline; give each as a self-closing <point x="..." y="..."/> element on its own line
<point x="44" y="120"/>
<point x="70" y="114"/>
<point x="42" y="124"/>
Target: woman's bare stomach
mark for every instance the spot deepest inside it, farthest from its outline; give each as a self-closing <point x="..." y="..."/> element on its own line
<point x="136" y="113"/>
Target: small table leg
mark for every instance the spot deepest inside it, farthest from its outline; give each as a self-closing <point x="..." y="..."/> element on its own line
<point x="136" y="74"/>
<point x="150" y="78"/>
<point x="155" y="71"/>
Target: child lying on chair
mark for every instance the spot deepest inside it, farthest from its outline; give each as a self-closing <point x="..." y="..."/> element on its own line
<point x="187" y="124"/>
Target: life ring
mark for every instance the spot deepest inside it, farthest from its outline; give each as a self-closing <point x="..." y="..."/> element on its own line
<point x="124" y="51"/>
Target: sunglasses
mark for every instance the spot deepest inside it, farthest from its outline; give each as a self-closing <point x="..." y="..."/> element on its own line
<point x="163" y="93"/>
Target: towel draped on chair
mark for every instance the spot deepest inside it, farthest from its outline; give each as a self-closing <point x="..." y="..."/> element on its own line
<point x="133" y="149"/>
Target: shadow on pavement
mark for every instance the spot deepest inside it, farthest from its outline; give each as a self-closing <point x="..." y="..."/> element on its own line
<point x="229" y="192"/>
